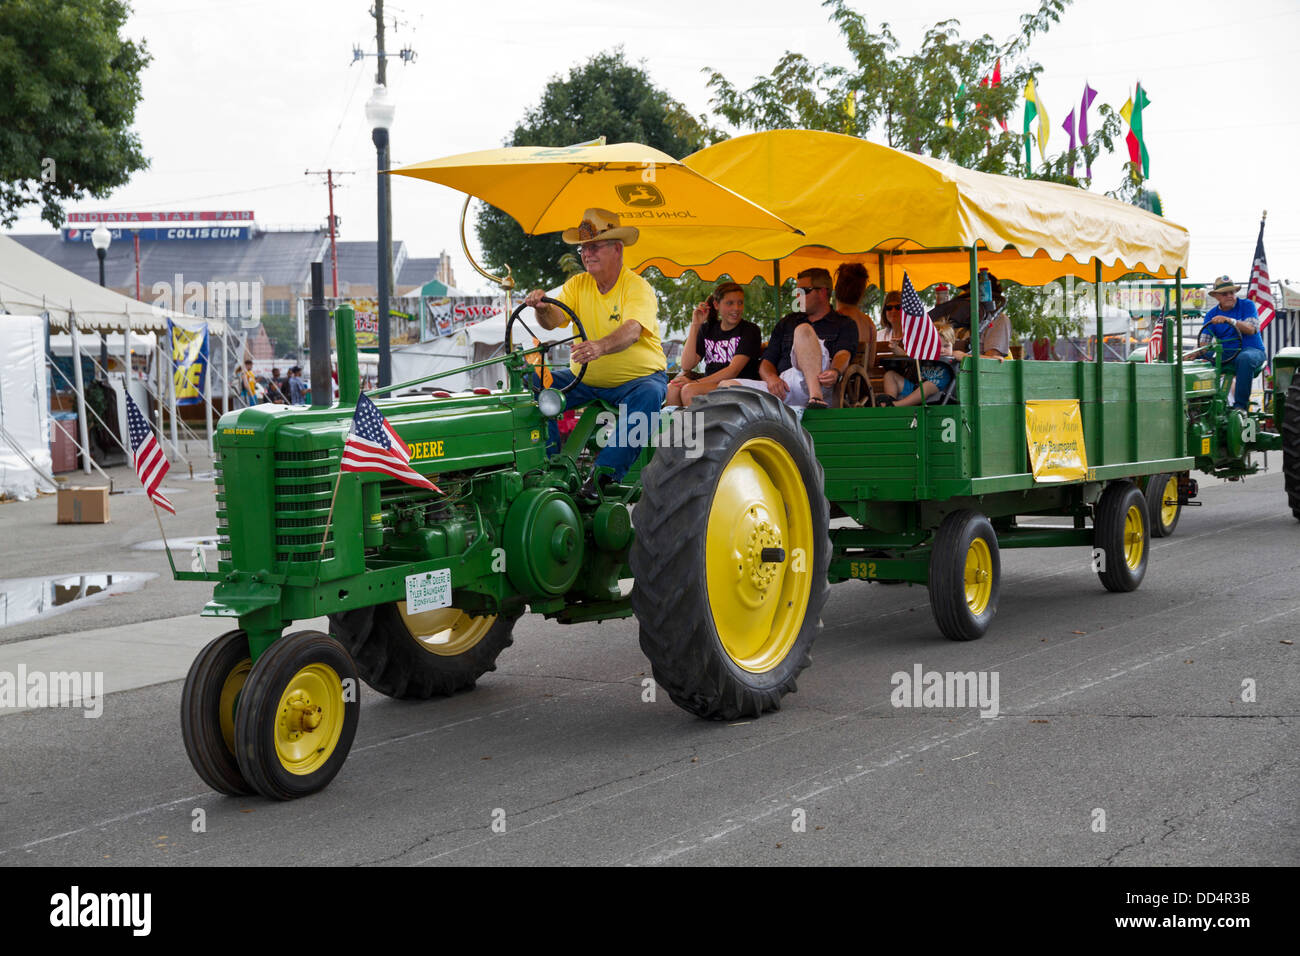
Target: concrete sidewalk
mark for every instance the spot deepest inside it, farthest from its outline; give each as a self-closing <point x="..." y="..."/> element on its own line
<point x="129" y="656"/>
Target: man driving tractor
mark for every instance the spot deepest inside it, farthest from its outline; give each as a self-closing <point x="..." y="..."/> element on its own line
<point x="625" y="359"/>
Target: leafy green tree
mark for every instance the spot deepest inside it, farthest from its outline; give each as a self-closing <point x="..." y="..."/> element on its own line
<point x="930" y="102"/>
<point x="606" y="96"/>
<point x="72" y="84"/>
<point x="282" y="330"/>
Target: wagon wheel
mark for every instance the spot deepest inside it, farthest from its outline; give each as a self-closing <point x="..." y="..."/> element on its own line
<point x="208" y="700"/>
<point x="1291" y="446"/>
<point x="854" y="390"/>
<point x="417" y="656"/>
<point x="1162" y="504"/>
<point x="1122" y="535"/>
<point x="297" y="716"/>
<point x="965" y="575"/>
<point x="728" y="616"/>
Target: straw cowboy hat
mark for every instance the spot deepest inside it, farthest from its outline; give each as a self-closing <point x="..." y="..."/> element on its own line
<point x="598" y="225"/>
<point x="1224" y="285"/>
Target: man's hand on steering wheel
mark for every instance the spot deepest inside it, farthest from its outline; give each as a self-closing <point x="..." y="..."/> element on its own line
<point x="580" y="336"/>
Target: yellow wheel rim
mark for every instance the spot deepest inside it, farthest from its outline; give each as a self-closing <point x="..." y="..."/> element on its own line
<point x="1133" y="542"/>
<point x="758" y="607"/>
<point x="309" y="719"/>
<point x="446" y="631"/>
<point x="1169" y="503"/>
<point x="979" y="576"/>
<point x="230" y="688"/>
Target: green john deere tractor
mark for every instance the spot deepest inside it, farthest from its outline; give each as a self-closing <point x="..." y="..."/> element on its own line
<point x="1223" y="440"/>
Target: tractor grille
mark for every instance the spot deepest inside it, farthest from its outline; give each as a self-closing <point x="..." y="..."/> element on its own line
<point x="303" y="484"/>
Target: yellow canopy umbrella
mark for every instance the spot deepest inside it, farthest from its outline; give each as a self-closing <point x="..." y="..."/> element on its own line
<point x="858" y="201"/>
<point x="547" y="189"/>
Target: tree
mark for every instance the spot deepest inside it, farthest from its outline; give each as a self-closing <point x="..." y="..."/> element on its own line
<point x="72" y="85"/>
<point x="606" y="96"/>
<point x="934" y="101"/>
<point x="938" y="101"/>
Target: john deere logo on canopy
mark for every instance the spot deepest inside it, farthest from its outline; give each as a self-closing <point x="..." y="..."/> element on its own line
<point x="639" y="194"/>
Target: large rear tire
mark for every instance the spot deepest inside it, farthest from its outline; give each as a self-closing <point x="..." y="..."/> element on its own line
<point x="419" y="656"/>
<point x="1122" y="534"/>
<point x="208" y="700"/>
<point x="965" y="575"/>
<point x="1163" y="508"/>
<point x="297" y="716"/>
<point x="1291" y="446"/>
<point x="730" y="557"/>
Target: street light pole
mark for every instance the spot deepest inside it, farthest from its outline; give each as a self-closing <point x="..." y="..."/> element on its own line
<point x="379" y="113"/>
<point x="101" y="238"/>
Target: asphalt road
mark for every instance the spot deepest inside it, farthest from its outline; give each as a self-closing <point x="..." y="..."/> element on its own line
<point x="1122" y="739"/>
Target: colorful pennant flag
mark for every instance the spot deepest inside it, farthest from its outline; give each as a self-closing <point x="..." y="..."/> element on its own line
<point x="373" y="446"/>
<point x="1034" y="108"/>
<point x="1260" y="290"/>
<point x="1089" y="94"/>
<point x="920" y="337"/>
<point x="1137" y="147"/>
<point x="1068" y="126"/>
<point x="150" y="462"/>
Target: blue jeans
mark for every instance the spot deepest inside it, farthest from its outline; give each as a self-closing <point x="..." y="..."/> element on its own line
<point x="1247" y="363"/>
<point x="642" y="397"/>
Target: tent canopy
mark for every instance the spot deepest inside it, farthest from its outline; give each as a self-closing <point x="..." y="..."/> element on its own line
<point x="30" y="284"/>
<point x="861" y="202"/>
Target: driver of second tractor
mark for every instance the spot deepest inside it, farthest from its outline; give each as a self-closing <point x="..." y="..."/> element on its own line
<point x="1235" y="322"/>
<point x="626" y="363"/>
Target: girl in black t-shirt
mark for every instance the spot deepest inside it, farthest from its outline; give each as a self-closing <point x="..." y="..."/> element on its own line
<point x="728" y="345"/>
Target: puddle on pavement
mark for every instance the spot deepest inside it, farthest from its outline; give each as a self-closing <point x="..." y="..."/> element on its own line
<point x="207" y="542"/>
<point x="22" y="599"/>
<point x="198" y="476"/>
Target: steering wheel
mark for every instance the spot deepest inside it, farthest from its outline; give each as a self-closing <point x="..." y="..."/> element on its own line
<point x="582" y="334"/>
<point x="1228" y="353"/>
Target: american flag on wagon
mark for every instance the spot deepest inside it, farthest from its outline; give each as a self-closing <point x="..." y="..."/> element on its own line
<point x="150" y="462"/>
<point x="920" y="337"/>
<point x="372" y="445"/>
<point x="1156" y="344"/>
<point x="1260" y="290"/>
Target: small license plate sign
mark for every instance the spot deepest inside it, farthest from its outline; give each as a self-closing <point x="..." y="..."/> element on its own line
<point x="427" y="591"/>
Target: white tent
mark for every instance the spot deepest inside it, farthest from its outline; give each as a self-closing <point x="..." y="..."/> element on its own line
<point x="24" y="418"/>
<point x="30" y="284"/>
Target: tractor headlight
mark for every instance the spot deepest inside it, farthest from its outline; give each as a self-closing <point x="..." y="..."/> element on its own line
<point x="550" y="402"/>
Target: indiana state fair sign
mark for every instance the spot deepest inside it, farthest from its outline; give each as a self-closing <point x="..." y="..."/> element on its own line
<point x="189" y="362"/>
<point x="1054" y="430"/>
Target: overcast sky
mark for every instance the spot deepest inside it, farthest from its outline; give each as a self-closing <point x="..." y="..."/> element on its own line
<point x="242" y="97"/>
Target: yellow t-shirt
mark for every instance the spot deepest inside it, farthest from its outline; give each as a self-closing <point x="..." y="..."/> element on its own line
<point x="631" y="298"/>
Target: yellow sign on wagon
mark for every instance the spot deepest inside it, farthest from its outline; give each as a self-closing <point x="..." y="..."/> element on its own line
<point x="1054" y="429"/>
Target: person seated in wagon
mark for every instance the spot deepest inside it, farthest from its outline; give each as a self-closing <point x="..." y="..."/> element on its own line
<point x="810" y="348"/>
<point x="729" y="345"/>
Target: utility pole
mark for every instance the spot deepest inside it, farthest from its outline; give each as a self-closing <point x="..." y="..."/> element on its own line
<point x="381" y="78"/>
<point x="329" y="175"/>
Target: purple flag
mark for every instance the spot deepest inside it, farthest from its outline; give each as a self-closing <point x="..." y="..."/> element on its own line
<point x="1068" y="126"/>
<point x="1089" y="94"/>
